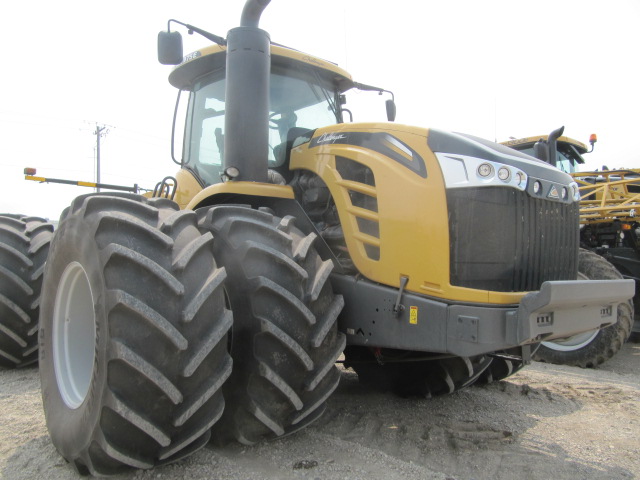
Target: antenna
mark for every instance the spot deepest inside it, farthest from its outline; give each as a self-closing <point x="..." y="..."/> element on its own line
<point x="495" y="119"/>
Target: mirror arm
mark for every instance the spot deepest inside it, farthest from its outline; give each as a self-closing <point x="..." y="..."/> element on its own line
<point x="191" y="29"/>
<point x="369" y="88"/>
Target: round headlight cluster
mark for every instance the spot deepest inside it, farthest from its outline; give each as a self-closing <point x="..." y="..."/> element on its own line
<point x="537" y="187"/>
<point x="485" y="170"/>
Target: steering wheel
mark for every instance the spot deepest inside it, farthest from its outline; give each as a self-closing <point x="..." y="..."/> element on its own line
<point x="275" y="119"/>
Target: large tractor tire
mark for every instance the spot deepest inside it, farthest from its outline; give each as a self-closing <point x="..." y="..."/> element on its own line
<point x="505" y="363"/>
<point x="284" y="337"/>
<point x="24" y="246"/>
<point x="410" y="374"/>
<point x="133" y="334"/>
<point x="590" y="349"/>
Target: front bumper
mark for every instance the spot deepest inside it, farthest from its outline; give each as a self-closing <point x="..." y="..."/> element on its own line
<point x="559" y="309"/>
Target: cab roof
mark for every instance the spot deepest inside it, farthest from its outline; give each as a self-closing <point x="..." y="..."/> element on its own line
<point x="213" y="57"/>
<point x="530" y="141"/>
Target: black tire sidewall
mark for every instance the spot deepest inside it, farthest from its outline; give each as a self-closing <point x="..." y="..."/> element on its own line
<point x="71" y="429"/>
<point x="253" y="304"/>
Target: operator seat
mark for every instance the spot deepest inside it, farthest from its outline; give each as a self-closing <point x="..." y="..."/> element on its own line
<point x="282" y="152"/>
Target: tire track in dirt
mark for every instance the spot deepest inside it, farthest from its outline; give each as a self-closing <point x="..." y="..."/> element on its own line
<point x="545" y="422"/>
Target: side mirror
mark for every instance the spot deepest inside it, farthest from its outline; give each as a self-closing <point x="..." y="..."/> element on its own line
<point x="170" y="48"/>
<point x="541" y="150"/>
<point x="391" y="110"/>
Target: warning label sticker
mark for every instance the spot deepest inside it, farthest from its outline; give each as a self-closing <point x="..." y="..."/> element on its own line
<point x="413" y="315"/>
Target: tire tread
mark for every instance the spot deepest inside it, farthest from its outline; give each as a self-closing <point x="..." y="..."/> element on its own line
<point x="24" y="245"/>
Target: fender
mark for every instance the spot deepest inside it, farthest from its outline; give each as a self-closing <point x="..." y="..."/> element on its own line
<point x="232" y="192"/>
<point x="279" y="198"/>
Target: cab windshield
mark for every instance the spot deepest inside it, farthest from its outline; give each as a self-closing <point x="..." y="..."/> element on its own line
<point x="300" y="101"/>
<point x="567" y="159"/>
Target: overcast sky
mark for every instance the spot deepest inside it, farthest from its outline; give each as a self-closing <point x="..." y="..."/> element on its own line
<point x="496" y="69"/>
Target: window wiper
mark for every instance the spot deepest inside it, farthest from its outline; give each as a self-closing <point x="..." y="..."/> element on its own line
<point x="328" y="98"/>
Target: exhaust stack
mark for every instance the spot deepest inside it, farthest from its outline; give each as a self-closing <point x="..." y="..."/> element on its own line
<point x="548" y="151"/>
<point x="246" y="139"/>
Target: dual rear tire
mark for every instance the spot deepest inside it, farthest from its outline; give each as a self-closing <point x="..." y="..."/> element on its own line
<point x="136" y="330"/>
<point x="133" y="334"/>
<point x="284" y="340"/>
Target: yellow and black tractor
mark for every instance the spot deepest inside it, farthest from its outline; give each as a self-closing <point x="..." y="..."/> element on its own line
<point x="431" y="260"/>
<point x="608" y="240"/>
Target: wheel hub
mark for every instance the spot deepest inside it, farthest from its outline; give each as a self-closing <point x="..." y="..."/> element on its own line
<point x="74" y="335"/>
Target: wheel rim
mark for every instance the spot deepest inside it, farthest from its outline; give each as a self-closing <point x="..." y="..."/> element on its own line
<point x="575" y="342"/>
<point x="74" y="335"/>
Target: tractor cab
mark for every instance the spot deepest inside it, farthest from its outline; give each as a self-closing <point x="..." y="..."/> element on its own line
<point x="568" y="151"/>
<point x="305" y="93"/>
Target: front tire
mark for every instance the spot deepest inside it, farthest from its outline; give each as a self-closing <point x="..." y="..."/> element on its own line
<point x="505" y="363"/>
<point x="284" y="338"/>
<point x="24" y="246"/>
<point x="409" y="374"/>
<point x="590" y="349"/>
<point x="133" y="334"/>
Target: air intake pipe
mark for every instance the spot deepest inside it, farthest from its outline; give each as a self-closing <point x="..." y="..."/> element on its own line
<point x="548" y="151"/>
<point x="246" y="136"/>
<point x="553" y="145"/>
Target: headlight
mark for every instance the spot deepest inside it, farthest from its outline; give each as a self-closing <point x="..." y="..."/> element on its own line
<point x="537" y="186"/>
<point x="485" y="170"/>
<point x="504" y="174"/>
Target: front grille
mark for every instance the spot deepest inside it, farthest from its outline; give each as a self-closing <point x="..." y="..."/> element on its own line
<point x="503" y="240"/>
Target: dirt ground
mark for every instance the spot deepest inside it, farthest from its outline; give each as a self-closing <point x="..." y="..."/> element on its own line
<point x="546" y="422"/>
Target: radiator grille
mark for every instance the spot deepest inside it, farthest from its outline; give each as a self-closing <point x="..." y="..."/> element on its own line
<point x="503" y="240"/>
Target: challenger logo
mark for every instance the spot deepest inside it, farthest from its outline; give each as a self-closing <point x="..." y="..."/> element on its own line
<point x="553" y="193"/>
<point x="380" y="142"/>
<point x="330" y="138"/>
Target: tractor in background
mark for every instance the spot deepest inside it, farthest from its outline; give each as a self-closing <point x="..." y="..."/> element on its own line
<point x="609" y="200"/>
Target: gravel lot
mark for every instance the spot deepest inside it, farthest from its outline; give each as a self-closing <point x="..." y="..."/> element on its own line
<point x="545" y="422"/>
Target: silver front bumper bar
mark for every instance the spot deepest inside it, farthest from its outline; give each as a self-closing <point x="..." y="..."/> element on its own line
<point x="559" y="309"/>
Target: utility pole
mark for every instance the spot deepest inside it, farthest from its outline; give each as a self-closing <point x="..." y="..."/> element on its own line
<point x="100" y="132"/>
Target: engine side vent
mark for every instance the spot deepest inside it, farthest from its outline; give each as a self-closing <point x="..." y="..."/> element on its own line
<point x="370" y="227"/>
<point x="373" y="252"/>
<point x="358" y="183"/>
<point x="362" y="200"/>
<point x="354" y="171"/>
